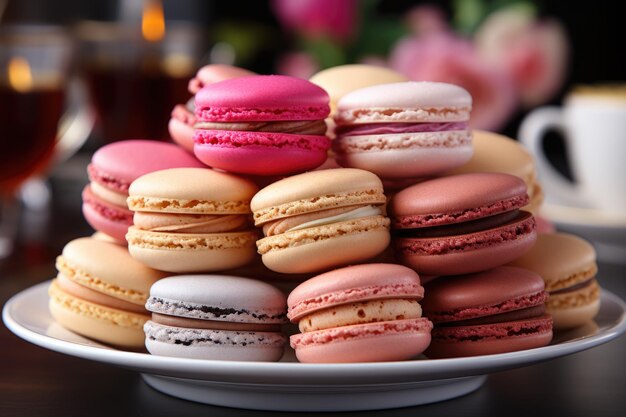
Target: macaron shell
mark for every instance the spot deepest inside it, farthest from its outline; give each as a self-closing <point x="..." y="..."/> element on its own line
<point x="187" y="252"/>
<point x="325" y="247"/>
<point x="181" y="133"/>
<point x="343" y="79"/>
<point x="316" y="190"/>
<point x="213" y="73"/>
<point x="109" y="220"/>
<point x="446" y="195"/>
<point x="261" y="157"/>
<point x="240" y="349"/>
<point x="413" y="161"/>
<point x="262" y="97"/>
<point x="373" y="342"/>
<point x="493" y="291"/>
<point x="191" y="190"/>
<point x="107" y="268"/>
<point x="489" y="339"/>
<point x="352" y="284"/>
<point x="561" y="259"/>
<point x="569" y="317"/>
<point x="127" y="160"/>
<point x="108" y="325"/>
<point x="413" y="101"/>
<point x="255" y="301"/>
<point x="470" y="252"/>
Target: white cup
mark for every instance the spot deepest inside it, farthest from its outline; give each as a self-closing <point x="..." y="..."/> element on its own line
<point x="593" y="125"/>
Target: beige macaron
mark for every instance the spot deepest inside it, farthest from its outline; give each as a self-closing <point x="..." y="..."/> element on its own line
<point x="498" y="153"/>
<point x="320" y="220"/>
<point x="567" y="264"/>
<point x="191" y="220"/>
<point x="100" y="292"/>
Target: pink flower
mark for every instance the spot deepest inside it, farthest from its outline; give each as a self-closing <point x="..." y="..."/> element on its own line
<point x="297" y="64"/>
<point x="534" y="53"/>
<point x="446" y="58"/>
<point x="316" y="18"/>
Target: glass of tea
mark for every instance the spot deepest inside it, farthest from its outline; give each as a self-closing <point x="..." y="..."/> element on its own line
<point x="137" y="72"/>
<point x="34" y="66"/>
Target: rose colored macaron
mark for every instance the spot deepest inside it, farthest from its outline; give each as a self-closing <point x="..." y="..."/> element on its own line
<point x="183" y="117"/>
<point x="215" y="317"/>
<point x="262" y="125"/>
<point x="362" y="313"/>
<point x="498" y="153"/>
<point x="321" y="219"/>
<point x="100" y="292"/>
<point x="495" y="311"/>
<point x="191" y="220"/>
<point x="404" y="130"/>
<point x="567" y="264"/>
<point x="463" y="223"/>
<point x="113" y="167"/>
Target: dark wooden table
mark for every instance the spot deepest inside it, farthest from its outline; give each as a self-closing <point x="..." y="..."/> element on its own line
<point x="38" y="382"/>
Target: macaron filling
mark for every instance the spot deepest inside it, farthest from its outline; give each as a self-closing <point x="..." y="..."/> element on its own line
<point x="190" y="223"/>
<point x="394" y="128"/>
<point x="105" y="209"/>
<point x="495" y="331"/>
<point x="471" y="226"/>
<point x="192" y="323"/>
<point x="298" y="127"/>
<point x="361" y="312"/>
<point x="320" y="218"/>
<point x="513" y="315"/>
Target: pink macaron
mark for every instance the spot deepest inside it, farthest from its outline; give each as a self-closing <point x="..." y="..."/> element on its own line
<point x="361" y="313"/>
<point x="462" y="223"/>
<point x="183" y="119"/>
<point x="262" y="125"/>
<point x="111" y="171"/>
<point x="404" y="130"/>
<point x="495" y="311"/>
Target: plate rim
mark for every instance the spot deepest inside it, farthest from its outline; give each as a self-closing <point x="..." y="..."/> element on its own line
<point x="314" y="374"/>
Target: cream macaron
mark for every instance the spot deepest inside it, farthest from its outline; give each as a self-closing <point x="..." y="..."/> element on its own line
<point x="567" y="264"/>
<point x="191" y="220"/>
<point x="100" y="292"/>
<point x="320" y="220"/>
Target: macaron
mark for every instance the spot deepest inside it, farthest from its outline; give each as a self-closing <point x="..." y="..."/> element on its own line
<point x="183" y="118"/>
<point x="113" y="167"/>
<point x="320" y="220"/>
<point x="567" y="264"/>
<point x="361" y="313"/>
<point x="100" y="292"/>
<point x="495" y="311"/>
<point x="343" y="79"/>
<point x="462" y="223"/>
<point x="215" y="317"/>
<point x="191" y="220"/>
<point x="404" y="130"/>
<point x="498" y="153"/>
<point x="262" y="125"/>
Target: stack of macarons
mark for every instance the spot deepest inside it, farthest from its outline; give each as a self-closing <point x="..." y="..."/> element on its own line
<point x="365" y="275"/>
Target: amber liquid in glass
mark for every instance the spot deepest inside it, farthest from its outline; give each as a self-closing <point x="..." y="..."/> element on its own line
<point x="28" y="132"/>
<point x="134" y="104"/>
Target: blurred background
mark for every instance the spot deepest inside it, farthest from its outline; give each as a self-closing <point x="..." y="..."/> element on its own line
<point x="75" y="75"/>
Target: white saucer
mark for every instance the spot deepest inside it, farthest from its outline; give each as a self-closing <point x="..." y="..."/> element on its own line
<point x="605" y="230"/>
<point x="289" y="386"/>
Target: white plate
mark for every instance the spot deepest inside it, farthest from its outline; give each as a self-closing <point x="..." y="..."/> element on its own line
<point x="288" y="386"/>
<point x="606" y="231"/>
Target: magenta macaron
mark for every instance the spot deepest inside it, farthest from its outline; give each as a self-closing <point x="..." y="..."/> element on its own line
<point x="462" y="224"/>
<point x="262" y="125"/>
<point x="495" y="311"/>
<point x="361" y="313"/>
<point x="111" y="171"/>
<point x="404" y="130"/>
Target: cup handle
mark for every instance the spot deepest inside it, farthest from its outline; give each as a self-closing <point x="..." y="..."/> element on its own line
<point x="531" y="134"/>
